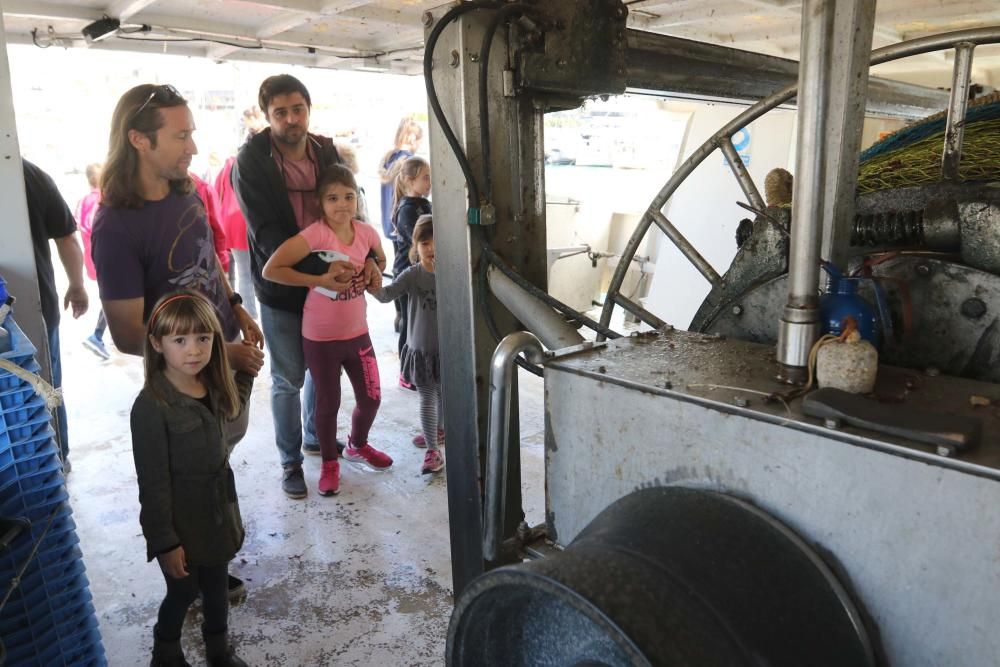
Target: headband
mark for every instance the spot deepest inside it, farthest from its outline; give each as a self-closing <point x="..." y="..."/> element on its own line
<point x="156" y="313"/>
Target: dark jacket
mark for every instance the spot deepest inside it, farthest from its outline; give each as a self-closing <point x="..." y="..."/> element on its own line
<point x="187" y="492"/>
<point x="263" y="199"/>
<point x="404" y="219"/>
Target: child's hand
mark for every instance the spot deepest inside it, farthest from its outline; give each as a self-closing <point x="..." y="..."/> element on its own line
<point x="173" y="563"/>
<point x="338" y="276"/>
<point x="372" y="273"/>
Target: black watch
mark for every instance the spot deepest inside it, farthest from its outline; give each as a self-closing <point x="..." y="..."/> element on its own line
<point x="235" y="300"/>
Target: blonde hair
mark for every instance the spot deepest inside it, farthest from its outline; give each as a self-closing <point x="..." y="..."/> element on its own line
<point x="409" y="170"/>
<point x="93" y="172"/>
<point x="422" y="231"/>
<point x="187" y="312"/>
<point x="407" y="126"/>
<point x="139" y="110"/>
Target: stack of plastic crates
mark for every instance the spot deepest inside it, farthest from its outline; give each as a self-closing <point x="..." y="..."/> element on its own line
<point x="49" y="618"/>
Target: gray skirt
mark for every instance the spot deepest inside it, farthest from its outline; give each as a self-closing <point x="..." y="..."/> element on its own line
<point x="420" y="368"/>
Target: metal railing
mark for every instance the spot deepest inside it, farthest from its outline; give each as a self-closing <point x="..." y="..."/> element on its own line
<point x="962" y="41"/>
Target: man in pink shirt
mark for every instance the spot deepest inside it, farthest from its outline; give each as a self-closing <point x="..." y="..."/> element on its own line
<point x="275" y="179"/>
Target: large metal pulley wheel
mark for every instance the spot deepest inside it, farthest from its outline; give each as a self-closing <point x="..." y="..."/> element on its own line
<point x="665" y="576"/>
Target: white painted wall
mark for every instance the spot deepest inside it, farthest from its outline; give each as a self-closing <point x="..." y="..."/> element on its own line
<point x="704" y="208"/>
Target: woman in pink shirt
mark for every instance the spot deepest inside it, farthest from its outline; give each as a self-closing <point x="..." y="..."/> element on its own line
<point x="86" y="208"/>
<point x="334" y="323"/>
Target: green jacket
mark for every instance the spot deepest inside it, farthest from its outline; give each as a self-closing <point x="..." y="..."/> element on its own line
<point x="187" y="492"/>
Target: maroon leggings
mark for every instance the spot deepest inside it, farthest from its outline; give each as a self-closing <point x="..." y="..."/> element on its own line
<point x="325" y="359"/>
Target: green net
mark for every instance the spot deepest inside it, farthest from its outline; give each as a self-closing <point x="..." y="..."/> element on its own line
<point x="920" y="162"/>
<point x="912" y="156"/>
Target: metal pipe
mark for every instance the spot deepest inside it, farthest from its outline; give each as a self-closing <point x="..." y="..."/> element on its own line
<point x="954" y="128"/>
<point x="554" y="332"/>
<point x="498" y="431"/>
<point x="687" y="69"/>
<point x="640" y="312"/>
<point x="740" y="172"/>
<point x="688" y="250"/>
<point x="799" y="325"/>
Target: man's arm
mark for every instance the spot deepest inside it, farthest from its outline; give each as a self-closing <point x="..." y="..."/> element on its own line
<point x="125" y="322"/>
<point x="71" y="256"/>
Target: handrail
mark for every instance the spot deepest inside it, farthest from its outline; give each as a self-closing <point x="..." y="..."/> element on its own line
<point x="498" y="431"/>
<point x="722" y="140"/>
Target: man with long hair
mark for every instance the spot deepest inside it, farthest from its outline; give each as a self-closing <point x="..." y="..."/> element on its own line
<point x="151" y="236"/>
<point x="275" y="178"/>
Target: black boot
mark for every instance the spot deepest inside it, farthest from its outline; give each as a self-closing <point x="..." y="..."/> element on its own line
<point x="220" y="653"/>
<point x="167" y="654"/>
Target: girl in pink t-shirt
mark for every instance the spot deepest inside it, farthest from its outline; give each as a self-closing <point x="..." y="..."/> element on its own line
<point x="334" y="325"/>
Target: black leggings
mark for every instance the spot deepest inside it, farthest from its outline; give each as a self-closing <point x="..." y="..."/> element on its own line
<point x="212" y="582"/>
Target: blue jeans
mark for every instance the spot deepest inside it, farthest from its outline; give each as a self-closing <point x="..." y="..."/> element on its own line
<point x="60" y="414"/>
<point x="283" y="337"/>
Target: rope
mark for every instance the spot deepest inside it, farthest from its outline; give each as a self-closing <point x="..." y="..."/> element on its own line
<point x="51" y="395"/>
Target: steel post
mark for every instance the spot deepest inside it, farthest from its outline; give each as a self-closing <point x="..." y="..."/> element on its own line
<point x="957" y="104"/>
<point x="854" y="24"/>
<point x="515" y="130"/>
<point x="799" y="325"/>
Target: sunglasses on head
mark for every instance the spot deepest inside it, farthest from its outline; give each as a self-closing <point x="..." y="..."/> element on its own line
<point x="161" y="94"/>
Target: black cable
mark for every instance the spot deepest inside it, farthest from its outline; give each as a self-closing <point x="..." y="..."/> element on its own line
<point x="432" y="98"/>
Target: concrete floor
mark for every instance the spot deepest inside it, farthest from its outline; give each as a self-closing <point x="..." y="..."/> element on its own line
<point x="363" y="578"/>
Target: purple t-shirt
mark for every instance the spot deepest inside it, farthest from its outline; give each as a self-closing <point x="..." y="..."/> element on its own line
<point x="160" y="248"/>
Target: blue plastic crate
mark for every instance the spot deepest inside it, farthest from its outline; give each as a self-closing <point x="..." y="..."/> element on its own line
<point x="55" y="549"/>
<point x="80" y="621"/>
<point x="45" y="462"/>
<point x="23" y="412"/>
<point x="20" y="345"/>
<point x="35" y="651"/>
<point x="54" y="577"/>
<point x="22" y="621"/>
<point x="37" y="422"/>
<point x="10" y="382"/>
<point x="51" y="551"/>
<point x="13" y="477"/>
<point x="71" y="646"/>
<point x="34" y="502"/>
<point x="16" y="396"/>
<point x="89" y="652"/>
<point x="62" y="577"/>
<point x="38" y="443"/>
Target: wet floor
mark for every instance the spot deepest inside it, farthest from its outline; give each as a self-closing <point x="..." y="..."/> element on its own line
<point x="363" y="578"/>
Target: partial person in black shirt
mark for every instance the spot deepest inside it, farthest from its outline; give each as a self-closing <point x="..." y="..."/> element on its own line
<point x="50" y="218"/>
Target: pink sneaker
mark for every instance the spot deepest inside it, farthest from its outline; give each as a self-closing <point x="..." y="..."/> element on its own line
<point x="329" y="478"/>
<point x="420" y="441"/>
<point x="368" y="454"/>
<point x="433" y="462"/>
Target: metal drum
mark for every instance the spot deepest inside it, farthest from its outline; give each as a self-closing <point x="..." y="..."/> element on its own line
<point x="665" y="576"/>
